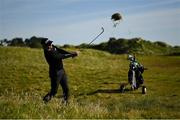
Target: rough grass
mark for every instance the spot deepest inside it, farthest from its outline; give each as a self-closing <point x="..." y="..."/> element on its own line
<point x="94" y="79"/>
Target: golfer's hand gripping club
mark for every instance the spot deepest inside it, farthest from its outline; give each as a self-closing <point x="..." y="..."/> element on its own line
<point x="74" y="54"/>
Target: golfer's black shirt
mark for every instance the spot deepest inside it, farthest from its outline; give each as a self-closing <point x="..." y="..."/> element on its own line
<point x="54" y="58"/>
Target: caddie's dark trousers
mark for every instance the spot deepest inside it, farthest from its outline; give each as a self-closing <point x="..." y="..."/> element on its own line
<point x="57" y="77"/>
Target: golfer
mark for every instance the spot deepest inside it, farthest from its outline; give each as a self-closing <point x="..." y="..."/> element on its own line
<point x="54" y="57"/>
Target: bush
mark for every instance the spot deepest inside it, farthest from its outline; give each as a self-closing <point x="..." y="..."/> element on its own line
<point x="68" y="46"/>
<point x="162" y="44"/>
<point x="34" y="42"/>
<point x="17" y="42"/>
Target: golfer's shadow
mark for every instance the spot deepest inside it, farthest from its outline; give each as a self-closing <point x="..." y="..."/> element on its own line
<point x="107" y="90"/>
<point x="104" y="91"/>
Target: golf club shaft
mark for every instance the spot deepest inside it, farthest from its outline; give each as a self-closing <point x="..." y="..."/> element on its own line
<point x="97" y="36"/>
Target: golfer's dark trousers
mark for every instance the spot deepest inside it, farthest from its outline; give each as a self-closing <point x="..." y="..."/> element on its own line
<point x="59" y="77"/>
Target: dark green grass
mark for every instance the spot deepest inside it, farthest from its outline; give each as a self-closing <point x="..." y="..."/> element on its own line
<point x="94" y="80"/>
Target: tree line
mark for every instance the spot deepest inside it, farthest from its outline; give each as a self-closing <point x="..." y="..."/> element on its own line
<point x="134" y="45"/>
<point x="33" y="42"/>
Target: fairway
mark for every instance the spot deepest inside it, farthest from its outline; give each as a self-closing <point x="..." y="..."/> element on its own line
<point x="94" y="79"/>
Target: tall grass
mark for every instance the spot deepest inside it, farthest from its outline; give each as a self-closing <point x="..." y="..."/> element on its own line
<point x="94" y="79"/>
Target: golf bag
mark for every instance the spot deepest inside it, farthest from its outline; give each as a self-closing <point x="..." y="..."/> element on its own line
<point x="135" y="77"/>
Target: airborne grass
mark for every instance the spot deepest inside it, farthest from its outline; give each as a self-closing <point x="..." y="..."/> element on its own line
<point x="94" y="79"/>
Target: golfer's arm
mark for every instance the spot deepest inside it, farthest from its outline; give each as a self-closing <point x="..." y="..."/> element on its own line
<point x="67" y="56"/>
<point x="61" y="50"/>
<point x="61" y="56"/>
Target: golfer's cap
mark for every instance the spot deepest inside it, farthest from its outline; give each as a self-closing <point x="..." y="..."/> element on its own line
<point x="46" y="42"/>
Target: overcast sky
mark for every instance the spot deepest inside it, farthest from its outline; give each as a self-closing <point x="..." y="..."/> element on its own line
<point x="79" y="21"/>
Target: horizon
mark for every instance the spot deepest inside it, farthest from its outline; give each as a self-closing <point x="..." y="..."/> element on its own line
<point x="78" y="21"/>
<point x="92" y="42"/>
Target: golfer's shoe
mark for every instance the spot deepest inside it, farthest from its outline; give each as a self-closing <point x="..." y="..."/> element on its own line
<point x="47" y="98"/>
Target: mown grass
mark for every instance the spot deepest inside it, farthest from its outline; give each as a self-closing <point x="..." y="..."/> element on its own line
<point x="94" y="79"/>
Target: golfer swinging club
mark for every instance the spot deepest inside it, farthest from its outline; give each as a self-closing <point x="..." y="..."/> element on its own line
<point x="54" y="57"/>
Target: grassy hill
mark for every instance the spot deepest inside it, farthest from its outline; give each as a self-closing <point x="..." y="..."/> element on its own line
<point x="94" y="79"/>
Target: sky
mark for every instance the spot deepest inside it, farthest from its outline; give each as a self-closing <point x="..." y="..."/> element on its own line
<point x="79" y="21"/>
